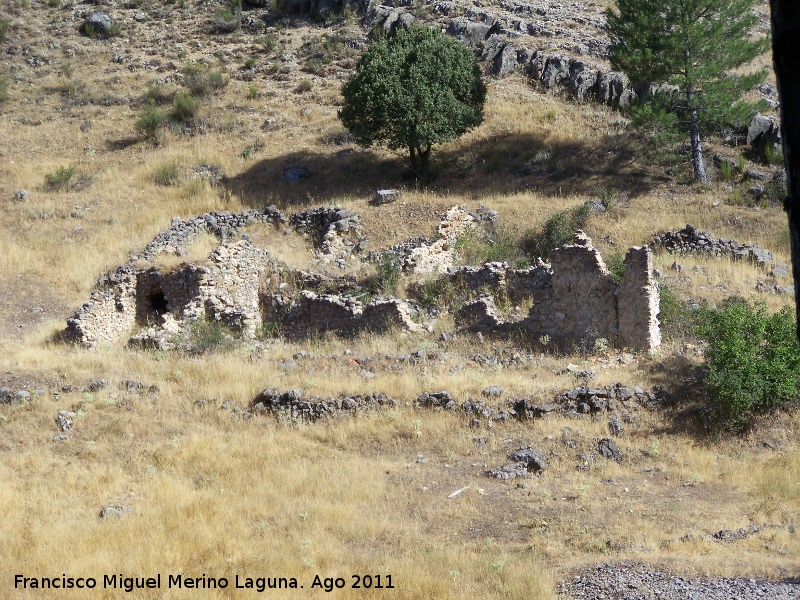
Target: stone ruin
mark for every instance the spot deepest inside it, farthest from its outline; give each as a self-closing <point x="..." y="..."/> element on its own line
<point x="574" y="297"/>
<point x="242" y="286"/>
<point x="229" y="285"/>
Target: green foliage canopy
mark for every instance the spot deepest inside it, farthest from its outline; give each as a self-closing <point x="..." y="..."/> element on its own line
<point x="753" y="361"/>
<point x="417" y="89"/>
<point x="694" y="45"/>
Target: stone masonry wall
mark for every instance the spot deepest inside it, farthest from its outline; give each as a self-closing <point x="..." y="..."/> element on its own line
<point x="637" y="302"/>
<point x="574" y="298"/>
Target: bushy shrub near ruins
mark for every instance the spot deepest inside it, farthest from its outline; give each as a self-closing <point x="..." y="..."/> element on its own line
<point x="753" y="361"/>
<point x="556" y="231"/>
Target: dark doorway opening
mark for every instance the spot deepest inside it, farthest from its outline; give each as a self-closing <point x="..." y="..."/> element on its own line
<point x="158" y="303"/>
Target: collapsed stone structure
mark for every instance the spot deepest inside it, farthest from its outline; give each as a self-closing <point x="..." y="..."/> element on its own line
<point x="574" y="297"/>
<point x="228" y="286"/>
<point x="242" y="286"/>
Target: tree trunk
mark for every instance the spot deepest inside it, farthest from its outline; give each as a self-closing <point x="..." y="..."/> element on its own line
<point x="420" y="161"/>
<point x="697" y="150"/>
<point x="786" y="57"/>
<point x="424" y="160"/>
<point x="694" y="135"/>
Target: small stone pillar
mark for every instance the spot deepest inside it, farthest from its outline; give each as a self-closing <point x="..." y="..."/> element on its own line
<point x="638" y="302"/>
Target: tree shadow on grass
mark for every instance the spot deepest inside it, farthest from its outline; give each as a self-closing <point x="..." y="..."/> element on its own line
<point x="490" y="166"/>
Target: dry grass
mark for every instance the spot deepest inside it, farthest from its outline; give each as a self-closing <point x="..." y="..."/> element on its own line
<point x="210" y="493"/>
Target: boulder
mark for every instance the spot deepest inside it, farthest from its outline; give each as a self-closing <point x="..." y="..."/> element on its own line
<point x="615" y="89"/>
<point x="763" y="130"/>
<point x="506" y="61"/>
<point x="556" y="71"/>
<point x="469" y="32"/>
<point x="386" y="196"/>
<point x="582" y="80"/>
<point x="609" y="450"/>
<point x="98" y="24"/>
<point x="533" y="459"/>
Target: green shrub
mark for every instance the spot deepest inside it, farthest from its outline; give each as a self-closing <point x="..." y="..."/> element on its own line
<point x="388" y="273"/>
<point x="616" y="264"/>
<point x="304" y="86"/>
<point x="678" y="321"/>
<point x="209" y="335"/>
<point x="268" y="42"/>
<point x="169" y="173"/>
<point x="556" y="231"/>
<point x="201" y="80"/>
<point x="185" y="107"/>
<point x="4" y="25"/>
<point x="150" y="122"/>
<point x="440" y="292"/>
<point x="473" y="249"/>
<point x="227" y="18"/>
<point x="773" y="154"/>
<point x="5" y="82"/>
<point x="753" y="361"/>
<point x="54" y="3"/>
<point x="155" y="94"/>
<point x="60" y="179"/>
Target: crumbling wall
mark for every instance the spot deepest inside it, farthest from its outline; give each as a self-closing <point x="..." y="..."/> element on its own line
<point x="109" y="314"/>
<point x="230" y="289"/>
<point x="638" y="302"/>
<point x="584" y="293"/>
<point x="574" y="298"/>
<point x="315" y="314"/>
<point x="438" y="256"/>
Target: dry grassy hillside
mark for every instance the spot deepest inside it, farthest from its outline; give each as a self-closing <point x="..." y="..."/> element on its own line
<point x="207" y="489"/>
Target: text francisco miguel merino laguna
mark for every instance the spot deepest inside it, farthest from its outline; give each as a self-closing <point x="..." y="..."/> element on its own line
<point x="258" y="584"/>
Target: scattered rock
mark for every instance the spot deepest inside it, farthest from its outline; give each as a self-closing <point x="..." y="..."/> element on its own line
<point x="98" y="24"/>
<point x="22" y="195"/>
<point x="295" y="174"/>
<point x="386" y="196"/>
<point x="112" y="511"/>
<point x="493" y="391"/>
<point x="609" y="450"/>
<point x="533" y="459"/>
<point x="65" y="419"/>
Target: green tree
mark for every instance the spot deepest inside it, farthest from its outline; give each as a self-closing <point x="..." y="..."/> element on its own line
<point x="693" y="44"/>
<point x="417" y="89"/>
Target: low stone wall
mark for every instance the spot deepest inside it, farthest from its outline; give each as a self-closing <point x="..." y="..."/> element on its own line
<point x="315" y="314"/>
<point x="691" y="240"/>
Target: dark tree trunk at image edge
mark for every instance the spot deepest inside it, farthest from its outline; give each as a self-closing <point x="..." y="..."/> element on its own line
<point x="786" y="59"/>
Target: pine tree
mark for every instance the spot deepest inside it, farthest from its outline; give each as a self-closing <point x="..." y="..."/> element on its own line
<point x="694" y="45"/>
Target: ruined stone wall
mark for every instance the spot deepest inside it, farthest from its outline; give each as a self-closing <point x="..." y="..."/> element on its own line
<point x="315" y="314"/>
<point x="574" y="298"/>
<point x="230" y="291"/>
<point x="438" y="256"/>
<point x="584" y="293"/>
<point x="109" y="314"/>
<point x="638" y="302"/>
